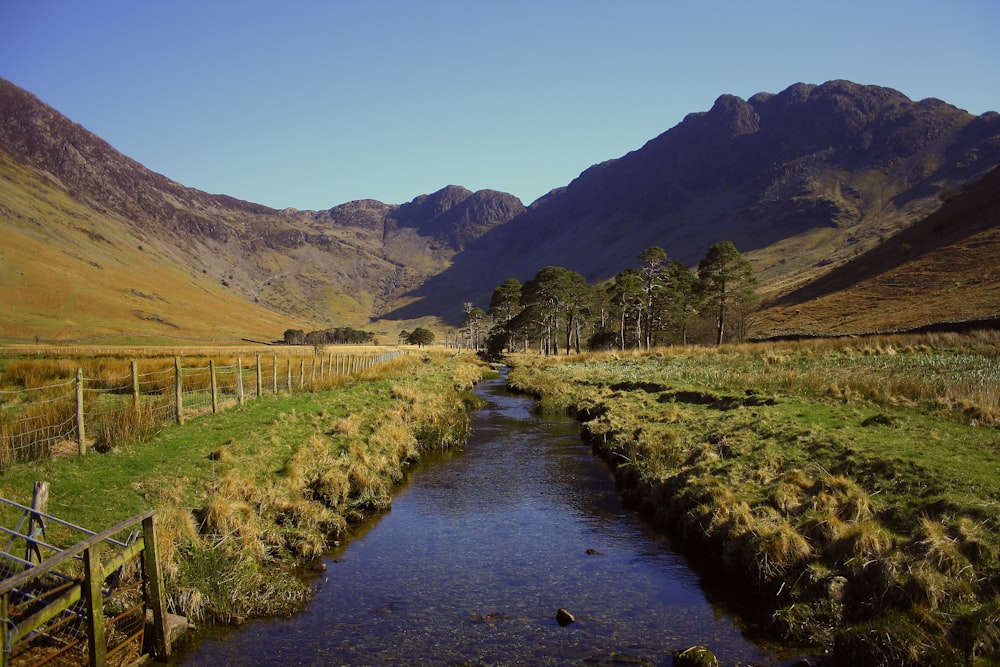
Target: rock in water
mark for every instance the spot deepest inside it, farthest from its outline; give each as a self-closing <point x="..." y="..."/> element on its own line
<point x="564" y="618"/>
<point x="695" y="656"/>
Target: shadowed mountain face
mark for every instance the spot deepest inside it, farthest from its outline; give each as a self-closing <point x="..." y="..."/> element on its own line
<point x="801" y="181"/>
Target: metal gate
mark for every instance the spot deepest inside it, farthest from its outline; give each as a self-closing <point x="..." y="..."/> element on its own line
<point x="85" y="604"/>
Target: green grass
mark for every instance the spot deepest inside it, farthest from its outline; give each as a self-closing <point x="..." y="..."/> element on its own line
<point x="247" y="496"/>
<point x="840" y="483"/>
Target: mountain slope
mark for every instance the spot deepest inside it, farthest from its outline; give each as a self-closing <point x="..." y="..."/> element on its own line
<point x="317" y="268"/>
<point x="69" y="272"/>
<point x="800" y="181"/>
<point x="942" y="269"/>
<point x="803" y="182"/>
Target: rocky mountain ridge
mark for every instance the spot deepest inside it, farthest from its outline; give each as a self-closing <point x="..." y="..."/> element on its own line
<point x="802" y="181"/>
<point x="344" y="265"/>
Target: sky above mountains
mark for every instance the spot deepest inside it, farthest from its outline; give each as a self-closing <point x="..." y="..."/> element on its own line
<point x="310" y="104"/>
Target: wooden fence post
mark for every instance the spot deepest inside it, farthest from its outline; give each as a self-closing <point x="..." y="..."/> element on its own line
<point x="288" y="375"/>
<point x="302" y="373"/>
<point x="93" y="576"/>
<point x="274" y="373"/>
<point x="5" y="648"/>
<point x="135" y="384"/>
<point x="154" y="579"/>
<point x="260" y="379"/>
<point x="313" y="378"/>
<point x="178" y="390"/>
<point x="239" y="381"/>
<point x="213" y="386"/>
<point x="39" y="503"/>
<point x="81" y="432"/>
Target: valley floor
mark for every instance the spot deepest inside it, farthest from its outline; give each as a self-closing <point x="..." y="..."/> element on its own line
<point x="851" y="486"/>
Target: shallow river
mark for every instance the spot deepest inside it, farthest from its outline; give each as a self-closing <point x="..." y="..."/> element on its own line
<point x="480" y="550"/>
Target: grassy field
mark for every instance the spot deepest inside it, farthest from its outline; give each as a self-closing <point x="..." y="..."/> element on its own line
<point x="247" y="497"/>
<point x="850" y="487"/>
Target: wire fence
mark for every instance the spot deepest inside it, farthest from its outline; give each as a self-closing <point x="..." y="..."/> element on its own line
<point x="104" y="411"/>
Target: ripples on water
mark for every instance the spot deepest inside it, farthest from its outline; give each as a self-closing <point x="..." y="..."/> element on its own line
<point x="478" y="554"/>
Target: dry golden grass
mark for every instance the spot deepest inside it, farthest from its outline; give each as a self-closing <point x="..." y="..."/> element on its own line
<point x="848" y="481"/>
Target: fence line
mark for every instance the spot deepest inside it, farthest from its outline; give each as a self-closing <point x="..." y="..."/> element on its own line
<point x="105" y="413"/>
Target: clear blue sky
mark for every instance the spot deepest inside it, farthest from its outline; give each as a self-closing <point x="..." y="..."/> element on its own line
<point x="312" y="103"/>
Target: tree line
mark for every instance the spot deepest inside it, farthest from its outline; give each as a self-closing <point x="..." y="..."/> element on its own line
<point x="333" y="336"/>
<point x="658" y="302"/>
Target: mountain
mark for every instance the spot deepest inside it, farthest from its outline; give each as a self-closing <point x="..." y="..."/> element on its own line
<point x="832" y="191"/>
<point x="801" y="182"/>
<point x="106" y="226"/>
<point x="941" y="272"/>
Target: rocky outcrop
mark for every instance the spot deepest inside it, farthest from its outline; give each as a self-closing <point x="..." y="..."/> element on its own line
<point x="854" y="162"/>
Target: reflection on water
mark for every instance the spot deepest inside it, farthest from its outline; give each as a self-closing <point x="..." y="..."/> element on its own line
<point x="478" y="554"/>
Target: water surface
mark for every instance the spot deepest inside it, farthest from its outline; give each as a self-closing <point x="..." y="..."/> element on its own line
<point x="479" y="552"/>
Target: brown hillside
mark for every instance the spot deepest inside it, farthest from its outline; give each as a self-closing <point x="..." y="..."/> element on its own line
<point x="803" y="182"/>
<point x="343" y="266"/>
<point x="942" y="269"/>
<point x="68" y="272"/>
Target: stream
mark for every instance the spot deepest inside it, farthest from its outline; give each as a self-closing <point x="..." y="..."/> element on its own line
<point x="482" y="547"/>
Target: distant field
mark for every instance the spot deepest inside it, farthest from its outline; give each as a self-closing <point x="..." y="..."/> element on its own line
<point x="156" y="348"/>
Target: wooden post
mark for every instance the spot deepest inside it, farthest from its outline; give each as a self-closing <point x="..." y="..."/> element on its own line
<point x="260" y="379"/>
<point x="288" y="375"/>
<point x="329" y="364"/>
<point x="212" y="384"/>
<point x="313" y="378"/>
<point x="239" y="381"/>
<point x="135" y="384"/>
<point x="39" y="503"/>
<point x="274" y="373"/>
<point x="178" y="390"/>
<point x="5" y="649"/>
<point x="93" y="576"/>
<point x="302" y="373"/>
<point x="154" y="579"/>
<point x="81" y="432"/>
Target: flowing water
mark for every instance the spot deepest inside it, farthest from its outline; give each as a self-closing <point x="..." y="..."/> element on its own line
<point x="480" y="550"/>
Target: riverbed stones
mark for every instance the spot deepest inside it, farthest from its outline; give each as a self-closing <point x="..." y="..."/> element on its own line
<point x="695" y="656"/>
<point x="564" y="617"/>
<point x="836" y="588"/>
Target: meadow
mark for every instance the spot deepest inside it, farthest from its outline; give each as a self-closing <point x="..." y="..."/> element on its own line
<point x="248" y="498"/>
<point x="55" y="401"/>
<point x="849" y="488"/>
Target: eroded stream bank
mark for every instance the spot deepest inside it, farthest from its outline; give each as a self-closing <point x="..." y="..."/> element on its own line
<point x="478" y="554"/>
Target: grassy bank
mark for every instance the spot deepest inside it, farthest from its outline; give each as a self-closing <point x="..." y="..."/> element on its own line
<point x="852" y="488"/>
<point x="246" y="497"/>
